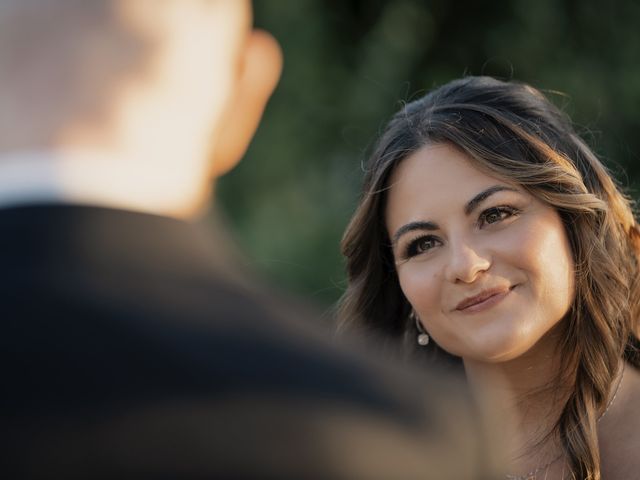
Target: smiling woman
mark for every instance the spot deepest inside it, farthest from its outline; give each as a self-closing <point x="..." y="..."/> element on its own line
<point x="489" y="276"/>
<point x="488" y="225"/>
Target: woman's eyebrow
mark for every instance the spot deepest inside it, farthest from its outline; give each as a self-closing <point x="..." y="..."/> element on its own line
<point x="413" y="226"/>
<point x="482" y="196"/>
<point x="468" y="209"/>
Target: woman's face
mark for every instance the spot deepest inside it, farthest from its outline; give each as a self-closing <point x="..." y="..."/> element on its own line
<point x="486" y="266"/>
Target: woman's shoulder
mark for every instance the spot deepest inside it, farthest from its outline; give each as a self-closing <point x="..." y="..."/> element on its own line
<point x="619" y="430"/>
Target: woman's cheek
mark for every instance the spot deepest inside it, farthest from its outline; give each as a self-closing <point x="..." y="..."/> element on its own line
<point x="422" y="285"/>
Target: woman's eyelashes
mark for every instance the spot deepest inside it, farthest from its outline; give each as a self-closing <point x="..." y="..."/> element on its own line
<point x="420" y="245"/>
<point x="496" y="214"/>
<point x="491" y="216"/>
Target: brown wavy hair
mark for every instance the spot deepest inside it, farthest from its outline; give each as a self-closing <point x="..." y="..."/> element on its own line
<point x="511" y="131"/>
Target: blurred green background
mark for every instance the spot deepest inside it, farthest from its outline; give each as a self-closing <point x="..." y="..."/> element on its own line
<point x="348" y="64"/>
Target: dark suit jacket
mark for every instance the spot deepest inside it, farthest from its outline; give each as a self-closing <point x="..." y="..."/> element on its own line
<point x="128" y="352"/>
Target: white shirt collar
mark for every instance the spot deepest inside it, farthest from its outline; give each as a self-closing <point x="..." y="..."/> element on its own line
<point x="27" y="178"/>
<point x="89" y="178"/>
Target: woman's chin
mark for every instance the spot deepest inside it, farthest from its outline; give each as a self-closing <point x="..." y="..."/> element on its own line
<point x="495" y="349"/>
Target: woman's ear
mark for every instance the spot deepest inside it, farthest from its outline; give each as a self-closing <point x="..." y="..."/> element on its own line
<point x="260" y="68"/>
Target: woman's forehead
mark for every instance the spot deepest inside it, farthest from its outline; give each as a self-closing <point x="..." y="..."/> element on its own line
<point x="436" y="179"/>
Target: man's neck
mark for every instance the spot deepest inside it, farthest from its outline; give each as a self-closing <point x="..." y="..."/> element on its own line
<point x="98" y="179"/>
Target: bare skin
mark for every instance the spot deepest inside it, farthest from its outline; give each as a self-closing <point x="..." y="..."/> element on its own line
<point x="524" y="410"/>
<point x="524" y="420"/>
<point x="619" y="431"/>
<point x="183" y="117"/>
<point x="488" y="270"/>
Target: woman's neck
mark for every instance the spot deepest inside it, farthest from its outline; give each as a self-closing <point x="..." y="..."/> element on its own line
<point x="524" y="397"/>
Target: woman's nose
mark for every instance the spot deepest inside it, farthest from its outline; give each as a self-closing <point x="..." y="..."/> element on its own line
<point x="466" y="262"/>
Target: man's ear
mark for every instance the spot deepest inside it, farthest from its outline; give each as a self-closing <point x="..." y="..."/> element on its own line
<point x="260" y="70"/>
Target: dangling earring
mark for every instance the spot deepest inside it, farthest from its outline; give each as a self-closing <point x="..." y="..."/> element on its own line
<point x="423" y="337"/>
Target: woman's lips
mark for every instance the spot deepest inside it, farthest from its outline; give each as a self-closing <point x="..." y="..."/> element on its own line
<point x="484" y="300"/>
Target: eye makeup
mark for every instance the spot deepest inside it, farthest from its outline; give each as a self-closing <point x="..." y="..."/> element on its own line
<point x="425" y="243"/>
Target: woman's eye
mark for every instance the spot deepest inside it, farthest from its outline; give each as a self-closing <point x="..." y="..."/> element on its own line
<point x="421" y="245"/>
<point x="496" y="214"/>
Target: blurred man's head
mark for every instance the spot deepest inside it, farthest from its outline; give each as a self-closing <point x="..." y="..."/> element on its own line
<point x="170" y="90"/>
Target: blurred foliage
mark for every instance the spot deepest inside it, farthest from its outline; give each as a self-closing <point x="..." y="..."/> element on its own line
<point x="349" y="64"/>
